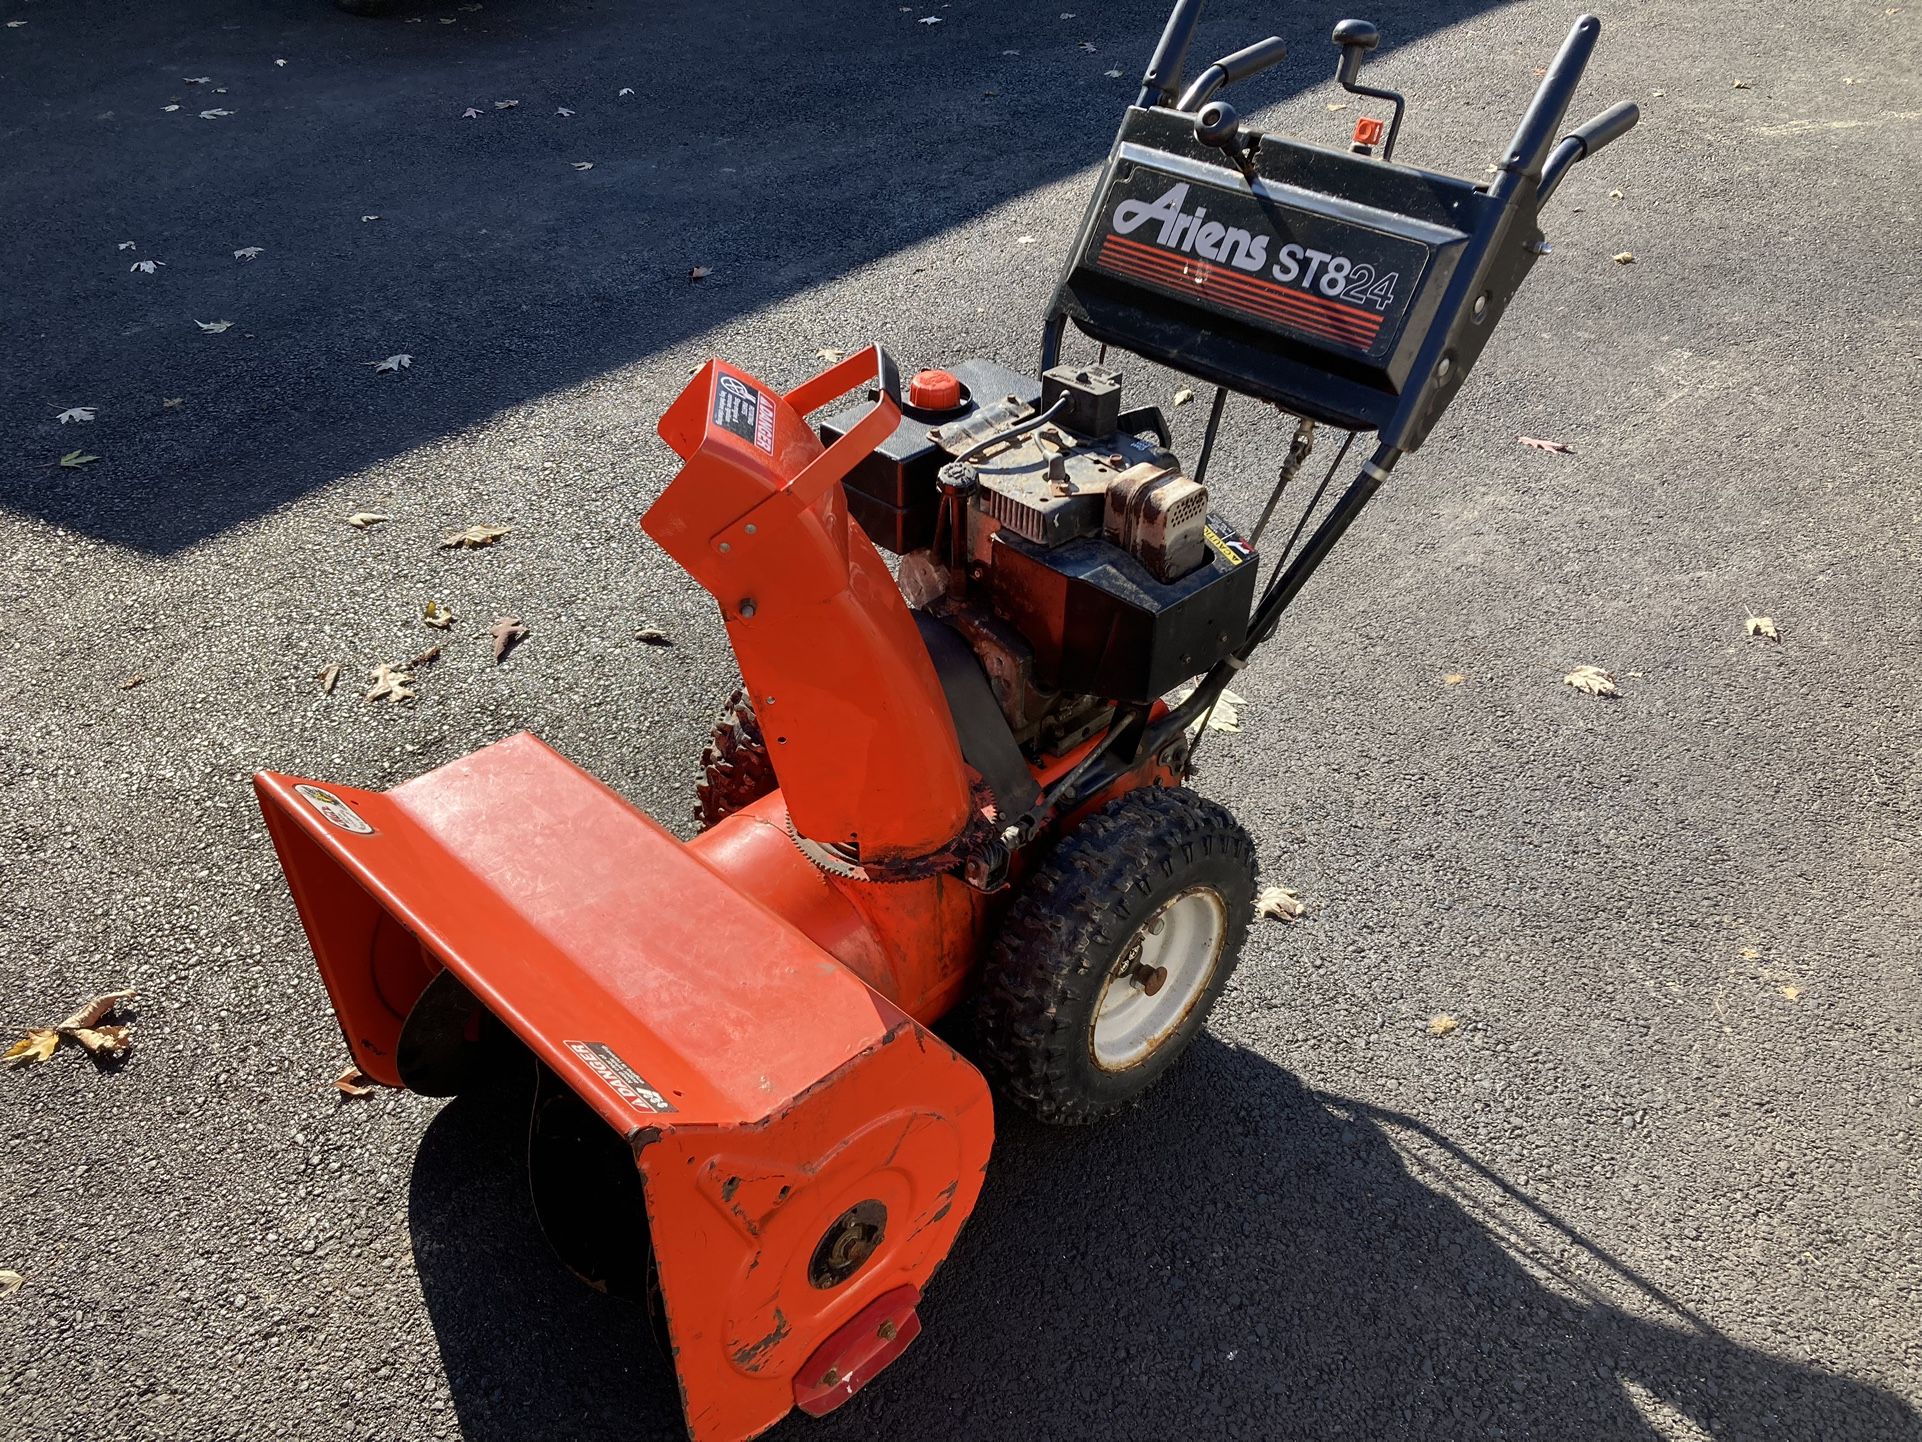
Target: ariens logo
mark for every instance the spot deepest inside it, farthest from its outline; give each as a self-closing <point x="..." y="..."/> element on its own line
<point x="1301" y="266"/>
<point x="1211" y="240"/>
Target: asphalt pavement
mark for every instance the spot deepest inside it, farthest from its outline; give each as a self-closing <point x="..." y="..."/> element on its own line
<point x="1659" y="1181"/>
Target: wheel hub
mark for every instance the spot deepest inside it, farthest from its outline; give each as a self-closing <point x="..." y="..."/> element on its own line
<point x="1164" y="971"/>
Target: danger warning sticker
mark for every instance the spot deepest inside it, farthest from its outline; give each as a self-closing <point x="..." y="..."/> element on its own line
<point x="621" y="1079"/>
<point x="739" y="408"/>
<point x="1225" y="541"/>
<point x="334" y="809"/>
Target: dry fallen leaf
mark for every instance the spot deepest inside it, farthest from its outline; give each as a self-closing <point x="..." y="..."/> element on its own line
<point x="484" y="534"/>
<point x="390" y="683"/>
<point x="280" y="62"/>
<point x="73" y="460"/>
<point x="1791" y="992"/>
<point x="102" y="1042"/>
<point x="197" y="79"/>
<point x="82" y="1027"/>
<point x="173" y="403"/>
<point x="249" y="252"/>
<point x="353" y="1082"/>
<point x="624" y="90"/>
<point x="214" y="114"/>
<point x="126" y="245"/>
<point x="1453" y="678"/>
<point x="583" y="165"/>
<point x="1764" y="627"/>
<point x="95" y="1007"/>
<point x="1750" y="953"/>
<point x="1089" y="46"/>
<point x="471" y="113"/>
<point x="1183" y="396"/>
<point x="425" y="658"/>
<point x="651" y="637"/>
<point x="215" y="327"/>
<point x="77" y="413"/>
<point x="10" y="1281"/>
<point x="1338" y="105"/>
<point x="1624" y="257"/>
<point x="436" y="615"/>
<point x="828" y="353"/>
<point x="361" y="520"/>
<point x="133" y="681"/>
<point x="36" y="1045"/>
<point x="327" y="676"/>
<point x="1442" y="1024"/>
<point x="1558" y="447"/>
<point x="507" y="633"/>
<point x="1226" y="713"/>
<point x="563" y="110"/>
<point x="146" y="267"/>
<point x="929" y="20"/>
<point x="1112" y="74"/>
<point x="394" y="363"/>
<point x="1740" y="85"/>
<point x="365" y="218"/>
<point x="505" y="104"/>
<point x="170" y="108"/>
<point x="700" y="272"/>
<point x="1024" y="240"/>
<point x="1279" y="904"/>
<point x="1591" y="681"/>
<point x="1615" y="195"/>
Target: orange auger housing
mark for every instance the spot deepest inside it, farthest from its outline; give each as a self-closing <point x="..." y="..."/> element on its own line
<point x="748" y="1024"/>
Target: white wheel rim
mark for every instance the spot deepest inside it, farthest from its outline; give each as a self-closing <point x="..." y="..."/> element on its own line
<point x="1163" y="972"/>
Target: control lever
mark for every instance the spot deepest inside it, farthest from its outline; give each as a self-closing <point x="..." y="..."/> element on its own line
<point x="1356" y="38"/>
<point x="1218" y="125"/>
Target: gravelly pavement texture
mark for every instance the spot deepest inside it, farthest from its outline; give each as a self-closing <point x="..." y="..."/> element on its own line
<point x="1662" y="1182"/>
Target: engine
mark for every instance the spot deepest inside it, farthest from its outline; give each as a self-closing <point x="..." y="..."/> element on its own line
<point x="1086" y="567"/>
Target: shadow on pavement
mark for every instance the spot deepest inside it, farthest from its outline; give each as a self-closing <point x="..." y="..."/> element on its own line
<point x="1238" y="1257"/>
<point x="784" y="146"/>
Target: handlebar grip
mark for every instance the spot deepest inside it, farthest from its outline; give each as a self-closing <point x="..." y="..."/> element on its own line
<point x="1254" y="59"/>
<point x="1226" y="71"/>
<point x="1611" y="125"/>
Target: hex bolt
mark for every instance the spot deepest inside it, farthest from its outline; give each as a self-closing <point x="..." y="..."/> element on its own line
<point x="750" y="528"/>
<point x="1149" y="978"/>
<point x="832" y="1376"/>
<point x="746" y="608"/>
<point x="725" y="548"/>
<point x="887" y="1331"/>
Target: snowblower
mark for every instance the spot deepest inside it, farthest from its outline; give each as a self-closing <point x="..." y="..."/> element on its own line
<point x="956" y="780"/>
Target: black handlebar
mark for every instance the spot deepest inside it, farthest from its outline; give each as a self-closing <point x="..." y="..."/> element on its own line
<point x="1533" y="155"/>
<point x="1528" y="151"/>
<point x="1232" y="68"/>
<point x="1162" y="81"/>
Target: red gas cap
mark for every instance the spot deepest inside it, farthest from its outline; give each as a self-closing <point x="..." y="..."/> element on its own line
<point x="934" y="391"/>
